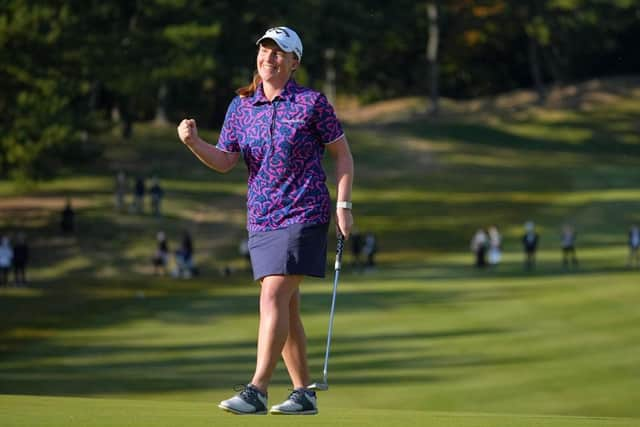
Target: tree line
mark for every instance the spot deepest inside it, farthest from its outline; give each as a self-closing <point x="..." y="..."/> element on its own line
<point x="71" y="69"/>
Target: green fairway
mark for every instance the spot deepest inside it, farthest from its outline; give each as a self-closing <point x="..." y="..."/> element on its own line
<point x="548" y="344"/>
<point x="424" y="338"/>
<point x="48" y="411"/>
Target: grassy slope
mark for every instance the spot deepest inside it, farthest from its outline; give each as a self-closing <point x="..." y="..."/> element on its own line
<point x="423" y="332"/>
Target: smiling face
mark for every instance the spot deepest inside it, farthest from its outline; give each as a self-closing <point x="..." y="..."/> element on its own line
<point x="275" y="65"/>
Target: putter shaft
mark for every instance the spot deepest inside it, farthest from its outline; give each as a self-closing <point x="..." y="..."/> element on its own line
<point x="338" y="265"/>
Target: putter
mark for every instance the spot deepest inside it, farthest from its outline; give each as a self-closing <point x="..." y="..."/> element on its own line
<point x="324" y="385"/>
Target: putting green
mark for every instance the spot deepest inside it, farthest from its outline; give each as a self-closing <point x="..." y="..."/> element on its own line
<point x="69" y="412"/>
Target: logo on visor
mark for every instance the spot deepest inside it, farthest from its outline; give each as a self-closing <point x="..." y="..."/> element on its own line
<point x="278" y="30"/>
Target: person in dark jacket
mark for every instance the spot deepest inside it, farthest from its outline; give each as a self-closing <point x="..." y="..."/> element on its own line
<point x="156" y="193"/>
<point x="356" y="247"/>
<point x="138" y="195"/>
<point x="67" y="222"/>
<point x="161" y="257"/>
<point x="20" y="259"/>
<point x="530" y="243"/>
<point x="184" y="257"/>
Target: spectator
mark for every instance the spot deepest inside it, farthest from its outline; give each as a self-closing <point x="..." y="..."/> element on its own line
<point x="156" y="192"/>
<point x="138" y="195"/>
<point x="120" y="190"/>
<point x="530" y="243"/>
<point x="634" y="246"/>
<point x="67" y="223"/>
<point x="160" y="258"/>
<point x="356" y="247"/>
<point x="184" y="258"/>
<point x="243" y="248"/>
<point x="495" y="246"/>
<point x="6" y="257"/>
<point x="20" y="259"/>
<point x="370" y="248"/>
<point x="569" y="246"/>
<point x="479" y="245"/>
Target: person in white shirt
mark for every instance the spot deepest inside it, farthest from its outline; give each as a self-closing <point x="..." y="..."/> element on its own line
<point x="479" y="245"/>
<point x="495" y="246"/>
<point x="6" y="257"/>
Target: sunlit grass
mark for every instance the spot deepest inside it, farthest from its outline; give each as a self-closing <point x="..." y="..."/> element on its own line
<point x="570" y="198"/>
<point x="565" y="134"/>
<point x="423" y="331"/>
<point x="217" y="185"/>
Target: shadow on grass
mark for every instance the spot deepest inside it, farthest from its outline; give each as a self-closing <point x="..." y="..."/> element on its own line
<point x="43" y="364"/>
<point x="60" y="369"/>
<point x="98" y="304"/>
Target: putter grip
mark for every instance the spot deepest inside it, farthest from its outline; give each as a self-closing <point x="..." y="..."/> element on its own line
<point x="339" y="250"/>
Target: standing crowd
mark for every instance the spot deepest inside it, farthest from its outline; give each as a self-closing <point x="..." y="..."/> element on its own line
<point x="184" y="265"/>
<point x="486" y="246"/>
<point x="139" y="191"/>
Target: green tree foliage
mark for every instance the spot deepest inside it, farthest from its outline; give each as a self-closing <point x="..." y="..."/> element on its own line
<point x="38" y="94"/>
<point x="69" y="68"/>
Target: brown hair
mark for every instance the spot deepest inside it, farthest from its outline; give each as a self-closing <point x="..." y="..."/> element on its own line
<point x="250" y="89"/>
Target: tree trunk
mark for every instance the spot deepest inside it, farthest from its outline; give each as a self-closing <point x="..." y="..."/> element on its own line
<point x="161" y="106"/>
<point x="549" y="57"/>
<point x="330" y="75"/>
<point x="123" y="114"/>
<point x="534" y="65"/>
<point x="94" y="96"/>
<point x="432" y="56"/>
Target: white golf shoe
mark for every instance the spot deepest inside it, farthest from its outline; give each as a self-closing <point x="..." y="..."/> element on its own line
<point x="250" y="401"/>
<point x="301" y="401"/>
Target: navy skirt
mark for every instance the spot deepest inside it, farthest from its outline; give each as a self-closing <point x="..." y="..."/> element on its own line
<point x="300" y="249"/>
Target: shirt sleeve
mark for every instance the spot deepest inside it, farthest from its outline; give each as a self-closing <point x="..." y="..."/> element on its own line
<point x="228" y="139"/>
<point x="327" y="124"/>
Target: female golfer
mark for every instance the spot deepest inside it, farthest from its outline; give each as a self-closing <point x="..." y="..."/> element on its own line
<point x="282" y="130"/>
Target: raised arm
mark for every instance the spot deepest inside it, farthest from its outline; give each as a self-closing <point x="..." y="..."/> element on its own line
<point x="216" y="159"/>
<point x="341" y="153"/>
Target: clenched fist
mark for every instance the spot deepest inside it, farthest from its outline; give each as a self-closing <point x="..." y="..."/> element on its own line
<point x="188" y="132"/>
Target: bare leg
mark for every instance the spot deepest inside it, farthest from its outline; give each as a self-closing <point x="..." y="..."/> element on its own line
<point x="294" y="352"/>
<point x="275" y="299"/>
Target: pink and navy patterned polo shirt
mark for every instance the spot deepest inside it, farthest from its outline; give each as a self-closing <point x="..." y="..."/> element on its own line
<point x="282" y="142"/>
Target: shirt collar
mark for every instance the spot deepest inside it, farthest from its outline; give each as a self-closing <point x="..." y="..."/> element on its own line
<point x="288" y="92"/>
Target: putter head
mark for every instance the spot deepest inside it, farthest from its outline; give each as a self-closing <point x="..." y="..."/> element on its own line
<point x="318" y="387"/>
